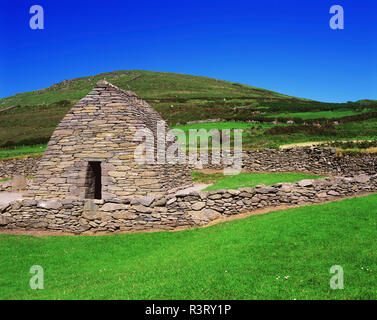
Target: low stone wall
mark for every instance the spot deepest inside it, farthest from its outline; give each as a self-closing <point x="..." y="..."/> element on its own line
<point x="307" y="159"/>
<point x="26" y="167"/>
<point x="174" y="211"/>
<point x="310" y="159"/>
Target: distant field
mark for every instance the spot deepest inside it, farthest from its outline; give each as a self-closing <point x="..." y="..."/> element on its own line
<point x="22" y="151"/>
<point x="260" y="135"/>
<point x="30" y="125"/>
<point x="216" y="125"/>
<point x="318" y="115"/>
<point x="279" y="255"/>
<point x="248" y="179"/>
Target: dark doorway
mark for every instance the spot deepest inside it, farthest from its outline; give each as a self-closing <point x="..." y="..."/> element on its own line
<point x="93" y="183"/>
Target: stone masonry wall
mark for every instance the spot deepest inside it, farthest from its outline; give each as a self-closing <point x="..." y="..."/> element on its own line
<point x="101" y="128"/>
<point x="26" y="167"/>
<point x="308" y="159"/>
<point x="305" y="159"/>
<point x="174" y="211"/>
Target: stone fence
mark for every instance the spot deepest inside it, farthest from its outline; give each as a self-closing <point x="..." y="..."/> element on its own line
<point x="310" y="159"/>
<point x="317" y="160"/>
<point x="26" y="167"/>
<point x="305" y="159"/>
<point x="180" y="210"/>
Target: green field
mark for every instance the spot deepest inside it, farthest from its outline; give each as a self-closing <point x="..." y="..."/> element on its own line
<point x="279" y="255"/>
<point x="248" y="179"/>
<point x="222" y="125"/>
<point x="267" y="135"/>
<point x="11" y="153"/>
<point x="319" y="114"/>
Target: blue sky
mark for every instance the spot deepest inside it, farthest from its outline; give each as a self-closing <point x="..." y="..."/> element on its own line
<point x="285" y="46"/>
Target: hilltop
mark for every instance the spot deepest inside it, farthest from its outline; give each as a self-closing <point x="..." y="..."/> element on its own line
<point x="150" y="85"/>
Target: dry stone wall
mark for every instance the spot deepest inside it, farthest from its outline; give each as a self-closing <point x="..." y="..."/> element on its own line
<point x="101" y="128"/>
<point x="26" y="167"/>
<point x="174" y="211"/>
<point x="309" y="159"/>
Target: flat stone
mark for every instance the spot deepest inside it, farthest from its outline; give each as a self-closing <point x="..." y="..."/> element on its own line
<point x="16" y="205"/>
<point x="172" y="200"/>
<point x="29" y="203"/>
<point x="160" y="202"/>
<point x="305" y="183"/>
<point x="124" y="215"/>
<point x="265" y="190"/>
<point x="90" y="210"/>
<point x="210" y="214"/>
<point x="363" y="178"/>
<point x="146" y="201"/>
<point x="5" y="220"/>
<point x="114" y="207"/>
<point x="198" y="206"/>
<point x="234" y="192"/>
<point x="50" y="204"/>
<point x="142" y="209"/>
<point x="215" y="196"/>
<point x="321" y="195"/>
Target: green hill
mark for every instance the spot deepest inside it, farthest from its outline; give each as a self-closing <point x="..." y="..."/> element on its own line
<point x="150" y="85"/>
<point x="177" y="97"/>
<point x="30" y="118"/>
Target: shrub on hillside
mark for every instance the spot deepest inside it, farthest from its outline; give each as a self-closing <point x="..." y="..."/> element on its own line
<point x="328" y="130"/>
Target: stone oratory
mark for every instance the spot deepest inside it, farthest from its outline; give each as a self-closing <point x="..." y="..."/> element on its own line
<point x="91" y="153"/>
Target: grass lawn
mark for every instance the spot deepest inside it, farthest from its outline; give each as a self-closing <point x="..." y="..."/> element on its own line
<point x="248" y="179"/>
<point x="241" y="259"/>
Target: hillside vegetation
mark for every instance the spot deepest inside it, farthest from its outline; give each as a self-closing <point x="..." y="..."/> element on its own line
<point x="149" y="85"/>
<point x="182" y="98"/>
